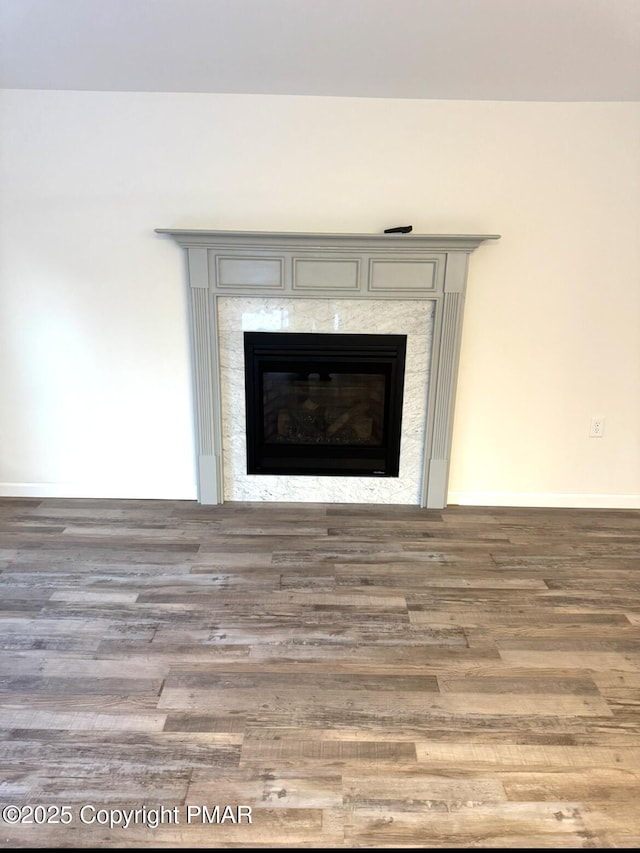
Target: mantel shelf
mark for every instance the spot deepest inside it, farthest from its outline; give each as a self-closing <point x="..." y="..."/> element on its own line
<point x="202" y="237"/>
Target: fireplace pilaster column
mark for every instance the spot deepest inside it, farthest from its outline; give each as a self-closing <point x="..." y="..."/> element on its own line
<point x="449" y="319"/>
<point x="206" y="387"/>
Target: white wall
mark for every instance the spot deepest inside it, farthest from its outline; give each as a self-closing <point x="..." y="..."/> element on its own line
<point x="95" y="397"/>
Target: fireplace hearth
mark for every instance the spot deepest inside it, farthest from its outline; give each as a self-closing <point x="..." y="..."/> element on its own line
<point x="324" y="404"/>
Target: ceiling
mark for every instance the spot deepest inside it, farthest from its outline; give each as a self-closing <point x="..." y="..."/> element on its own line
<point x="542" y="50"/>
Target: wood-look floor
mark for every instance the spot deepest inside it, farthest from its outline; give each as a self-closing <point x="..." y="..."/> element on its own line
<point x="353" y="676"/>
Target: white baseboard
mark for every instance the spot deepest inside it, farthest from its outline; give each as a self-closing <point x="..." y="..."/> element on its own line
<point x="91" y="492"/>
<point x="515" y="499"/>
<point x="543" y="499"/>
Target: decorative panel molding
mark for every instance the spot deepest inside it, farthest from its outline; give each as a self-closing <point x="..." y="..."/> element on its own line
<point x="313" y="274"/>
<point x="239" y="272"/>
<point x="405" y="275"/>
<point x="244" y="265"/>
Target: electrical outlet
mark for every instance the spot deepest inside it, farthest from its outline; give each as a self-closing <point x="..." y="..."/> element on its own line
<point x="596" y="430"/>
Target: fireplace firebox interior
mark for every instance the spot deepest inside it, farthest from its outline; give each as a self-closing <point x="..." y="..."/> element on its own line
<point x="324" y="404"/>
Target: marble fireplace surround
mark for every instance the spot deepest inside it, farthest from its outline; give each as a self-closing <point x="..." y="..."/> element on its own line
<point x="398" y="283"/>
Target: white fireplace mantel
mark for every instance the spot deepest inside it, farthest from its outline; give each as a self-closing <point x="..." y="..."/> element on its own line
<point x="394" y="267"/>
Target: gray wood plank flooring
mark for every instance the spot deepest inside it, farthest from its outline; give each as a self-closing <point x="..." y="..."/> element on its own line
<point x="328" y="676"/>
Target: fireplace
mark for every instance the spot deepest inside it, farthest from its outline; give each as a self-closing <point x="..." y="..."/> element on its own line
<point x="324" y="404"/>
<point x="290" y="282"/>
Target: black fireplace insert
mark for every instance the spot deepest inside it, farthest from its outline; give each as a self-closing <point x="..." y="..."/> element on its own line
<point x="324" y="404"/>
